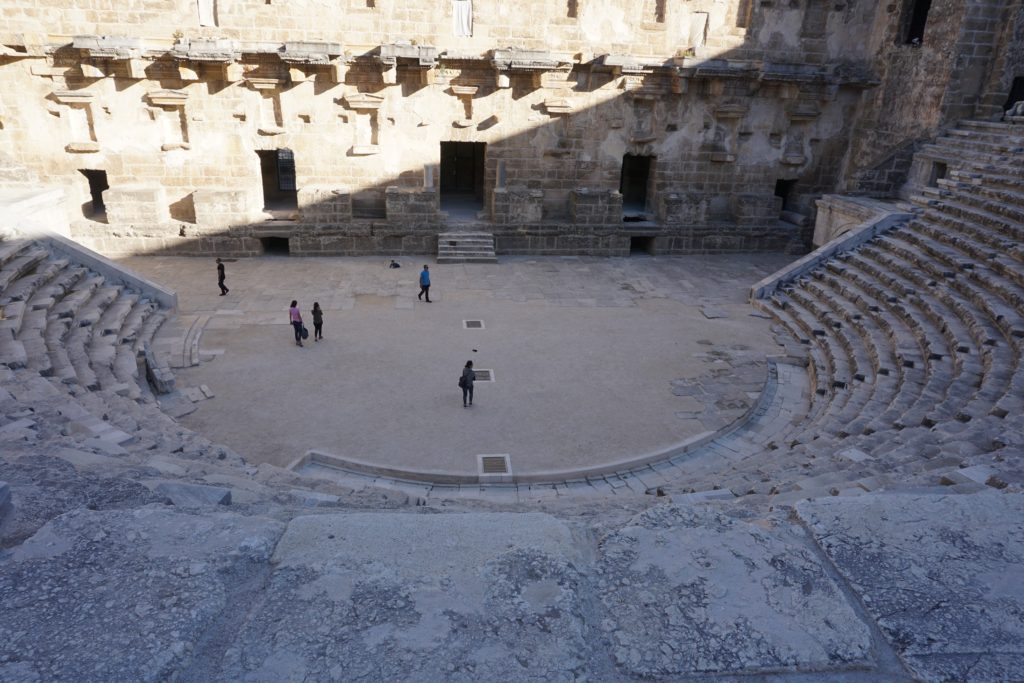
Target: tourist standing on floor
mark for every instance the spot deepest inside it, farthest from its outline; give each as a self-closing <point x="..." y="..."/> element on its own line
<point x="220" y="278"/>
<point x="466" y="382"/>
<point x="424" y="283"/>
<point x="295" y="317"/>
<point x="318" y="322"/>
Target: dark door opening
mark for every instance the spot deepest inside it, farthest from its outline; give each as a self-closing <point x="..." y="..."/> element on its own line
<point x="95" y="209"/>
<point x="641" y="245"/>
<point x="462" y="177"/>
<point x="1016" y="93"/>
<point x="915" y="21"/>
<point x="277" y="167"/>
<point x="937" y="173"/>
<point x="636" y="174"/>
<point x="784" y="189"/>
<point x="274" y="245"/>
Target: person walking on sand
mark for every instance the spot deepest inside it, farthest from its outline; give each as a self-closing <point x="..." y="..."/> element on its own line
<point x="466" y="382"/>
<point x="424" y="283"/>
<point x="295" y="317"/>
<point x="220" y="278"/>
<point x="318" y="321"/>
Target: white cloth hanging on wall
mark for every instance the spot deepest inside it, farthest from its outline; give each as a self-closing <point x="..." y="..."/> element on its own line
<point x="462" y="17"/>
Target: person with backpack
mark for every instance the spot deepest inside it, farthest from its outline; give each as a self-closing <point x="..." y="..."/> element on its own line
<point x="466" y="383"/>
<point x="295" y="318"/>
<point x="318" y="321"/>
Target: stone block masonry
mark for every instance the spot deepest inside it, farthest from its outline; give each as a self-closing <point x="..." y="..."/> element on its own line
<point x="332" y="128"/>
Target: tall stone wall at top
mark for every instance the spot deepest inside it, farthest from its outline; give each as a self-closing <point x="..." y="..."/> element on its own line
<point x="926" y="82"/>
<point x="1007" y="62"/>
<point x="741" y="109"/>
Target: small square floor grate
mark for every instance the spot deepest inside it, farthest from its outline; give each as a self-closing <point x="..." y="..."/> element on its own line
<point x="494" y="465"/>
<point x="484" y="375"/>
<point x="473" y="324"/>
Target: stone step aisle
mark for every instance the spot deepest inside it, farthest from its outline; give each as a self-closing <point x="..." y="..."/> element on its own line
<point x="466" y="247"/>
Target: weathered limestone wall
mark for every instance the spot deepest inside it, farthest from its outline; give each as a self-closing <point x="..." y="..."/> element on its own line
<point x="924" y="86"/>
<point x="636" y="27"/>
<point x="180" y="155"/>
<point x="1007" y="62"/>
<point x="173" y="101"/>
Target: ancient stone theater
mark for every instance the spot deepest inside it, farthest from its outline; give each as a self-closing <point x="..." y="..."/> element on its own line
<point x="737" y="287"/>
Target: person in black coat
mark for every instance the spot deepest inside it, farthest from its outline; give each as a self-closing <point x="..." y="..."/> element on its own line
<point x="466" y="382"/>
<point x="220" y="278"/>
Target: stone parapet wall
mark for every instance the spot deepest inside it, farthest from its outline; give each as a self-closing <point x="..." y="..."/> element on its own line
<point x="136" y="205"/>
<point x="370" y="237"/>
<point x="412" y="209"/>
<point x="589" y="207"/>
<point x="517" y="205"/>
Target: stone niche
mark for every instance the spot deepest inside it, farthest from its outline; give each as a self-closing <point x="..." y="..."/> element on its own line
<point x="136" y="205"/>
<point x="517" y="205"/>
<point x="595" y="207"/>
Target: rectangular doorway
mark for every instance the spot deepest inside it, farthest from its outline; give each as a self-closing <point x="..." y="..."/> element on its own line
<point x="95" y="208"/>
<point x="784" y="190"/>
<point x="274" y="246"/>
<point x="636" y="175"/>
<point x="277" y="168"/>
<point x="462" y="177"/>
<point x="1016" y="93"/>
<point x="641" y="244"/>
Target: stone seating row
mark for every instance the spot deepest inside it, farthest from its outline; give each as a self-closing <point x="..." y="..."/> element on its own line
<point x="916" y="338"/>
<point x="64" y="321"/>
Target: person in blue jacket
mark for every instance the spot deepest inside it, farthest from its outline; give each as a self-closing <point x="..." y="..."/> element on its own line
<point x="424" y="284"/>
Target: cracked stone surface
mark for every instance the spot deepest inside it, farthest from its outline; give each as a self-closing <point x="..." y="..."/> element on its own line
<point x="417" y="597"/>
<point x="688" y="590"/>
<point x="44" y="487"/>
<point x="122" y="595"/>
<point x="942" y="575"/>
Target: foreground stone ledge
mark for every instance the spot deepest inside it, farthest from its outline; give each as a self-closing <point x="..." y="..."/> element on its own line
<point x="418" y="597"/>
<point x="943" y="575"/>
<point x="689" y="591"/>
<point x="122" y="595"/>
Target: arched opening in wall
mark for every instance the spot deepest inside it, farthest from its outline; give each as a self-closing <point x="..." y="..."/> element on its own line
<point x="914" y="17"/>
<point x="462" y="178"/>
<point x="277" y="168"/>
<point x="95" y="209"/>
<point x="1016" y="93"/>
<point x="633" y="186"/>
<point x="275" y="246"/>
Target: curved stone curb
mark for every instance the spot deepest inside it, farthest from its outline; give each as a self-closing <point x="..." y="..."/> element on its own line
<point x="638" y="474"/>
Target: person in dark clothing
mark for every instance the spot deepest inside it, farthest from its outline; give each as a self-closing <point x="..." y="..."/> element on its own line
<point x="424" y="284"/>
<point x="220" y="278"/>
<point x="318" y="322"/>
<point x="466" y="382"/>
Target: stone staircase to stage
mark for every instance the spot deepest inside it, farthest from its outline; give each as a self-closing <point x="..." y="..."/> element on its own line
<point x="466" y="247"/>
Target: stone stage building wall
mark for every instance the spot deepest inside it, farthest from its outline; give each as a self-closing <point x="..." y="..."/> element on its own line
<point x="733" y="104"/>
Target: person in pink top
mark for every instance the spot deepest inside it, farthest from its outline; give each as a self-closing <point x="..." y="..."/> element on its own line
<point x="296" y="319"/>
